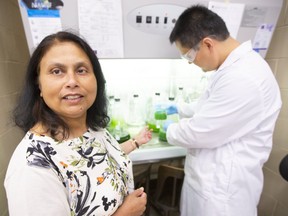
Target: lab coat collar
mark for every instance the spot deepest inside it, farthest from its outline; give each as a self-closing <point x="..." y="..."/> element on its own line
<point x="236" y="54"/>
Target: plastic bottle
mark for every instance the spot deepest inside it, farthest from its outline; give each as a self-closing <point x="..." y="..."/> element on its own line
<point x="111" y="101"/>
<point x="173" y="116"/>
<point x="160" y="117"/>
<point x="153" y="106"/>
<point x="135" y="114"/>
<point x="118" y="126"/>
<point x="180" y="96"/>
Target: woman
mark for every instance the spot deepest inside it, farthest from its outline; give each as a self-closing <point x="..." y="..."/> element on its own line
<point x="67" y="163"/>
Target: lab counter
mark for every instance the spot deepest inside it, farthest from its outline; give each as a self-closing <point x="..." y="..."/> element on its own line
<point x="155" y="151"/>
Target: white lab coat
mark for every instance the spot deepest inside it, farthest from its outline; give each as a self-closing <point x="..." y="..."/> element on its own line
<point x="229" y="137"/>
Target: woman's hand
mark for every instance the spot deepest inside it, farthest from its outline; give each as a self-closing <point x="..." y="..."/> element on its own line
<point x="134" y="204"/>
<point x="144" y="136"/>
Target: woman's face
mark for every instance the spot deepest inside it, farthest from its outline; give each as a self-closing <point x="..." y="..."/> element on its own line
<point x="67" y="82"/>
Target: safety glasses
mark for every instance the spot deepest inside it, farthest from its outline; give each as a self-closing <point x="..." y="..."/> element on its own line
<point x="190" y="55"/>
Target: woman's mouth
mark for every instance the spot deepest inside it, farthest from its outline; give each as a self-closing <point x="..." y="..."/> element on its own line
<point x="72" y="97"/>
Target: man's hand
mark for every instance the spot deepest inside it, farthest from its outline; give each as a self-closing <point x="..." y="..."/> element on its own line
<point x="171" y="109"/>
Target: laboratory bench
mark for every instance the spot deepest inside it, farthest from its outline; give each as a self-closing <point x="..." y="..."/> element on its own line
<point x="146" y="163"/>
<point x="156" y="151"/>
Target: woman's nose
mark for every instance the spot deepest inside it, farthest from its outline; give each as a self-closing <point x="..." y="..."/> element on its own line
<point x="72" y="80"/>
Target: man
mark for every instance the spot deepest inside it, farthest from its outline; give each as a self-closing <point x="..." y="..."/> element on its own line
<point x="229" y="137"/>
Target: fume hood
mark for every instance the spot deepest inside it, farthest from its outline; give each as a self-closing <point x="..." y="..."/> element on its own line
<point x="140" y="29"/>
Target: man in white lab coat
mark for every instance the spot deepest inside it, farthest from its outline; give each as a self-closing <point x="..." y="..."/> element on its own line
<point x="229" y="137"/>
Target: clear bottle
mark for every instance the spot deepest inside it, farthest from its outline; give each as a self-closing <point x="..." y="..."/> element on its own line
<point x="174" y="117"/>
<point x="180" y="96"/>
<point x="118" y="126"/>
<point x="153" y="106"/>
<point x="111" y="101"/>
<point x="135" y="113"/>
<point x="160" y="117"/>
<point x="110" y="109"/>
<point x="115" y="117"/>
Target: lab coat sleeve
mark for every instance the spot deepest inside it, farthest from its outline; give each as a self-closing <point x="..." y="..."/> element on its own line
<point x="186" y="110"/>
<point x="35" y="191"/>
<point x="230" y="109"/>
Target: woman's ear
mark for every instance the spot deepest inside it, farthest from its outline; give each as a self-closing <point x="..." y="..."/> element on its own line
<point x="39" y="86"/>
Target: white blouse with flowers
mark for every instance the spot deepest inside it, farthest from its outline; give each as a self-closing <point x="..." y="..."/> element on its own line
<point x="88" y="175"/>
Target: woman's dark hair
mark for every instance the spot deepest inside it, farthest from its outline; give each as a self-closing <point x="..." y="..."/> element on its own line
<point x="196" y="23"/>
<point x="31" y="108"/>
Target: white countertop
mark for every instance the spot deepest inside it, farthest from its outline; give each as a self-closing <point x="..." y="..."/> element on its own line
<point x="155" y="151"/>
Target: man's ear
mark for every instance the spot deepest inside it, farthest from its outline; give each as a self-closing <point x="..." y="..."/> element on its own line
<point x="208" y="42"/>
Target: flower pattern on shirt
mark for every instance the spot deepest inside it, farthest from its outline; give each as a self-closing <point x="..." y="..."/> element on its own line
<point x="92" y="168"/>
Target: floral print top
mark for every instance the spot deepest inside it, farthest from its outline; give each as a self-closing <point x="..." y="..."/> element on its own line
<point x="94" y="171"/>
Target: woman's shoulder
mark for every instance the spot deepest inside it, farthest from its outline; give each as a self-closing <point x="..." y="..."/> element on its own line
<point x="26" y="148"/>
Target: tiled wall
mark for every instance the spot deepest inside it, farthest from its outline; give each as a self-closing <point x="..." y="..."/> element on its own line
<point x="13" y="58"/>
<point x="274" y="200"/>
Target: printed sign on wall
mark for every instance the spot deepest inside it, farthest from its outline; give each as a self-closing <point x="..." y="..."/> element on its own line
<point x="43" y="17"/>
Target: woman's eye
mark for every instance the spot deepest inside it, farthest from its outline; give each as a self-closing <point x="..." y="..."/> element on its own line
<point x="56" y="71"/>
<point x="82" y="70"/>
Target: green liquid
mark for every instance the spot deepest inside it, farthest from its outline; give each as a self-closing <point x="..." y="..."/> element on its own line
<point x="124" y="138"/>
<point x="153" y="127"/>
<point x="162" y="136"/>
